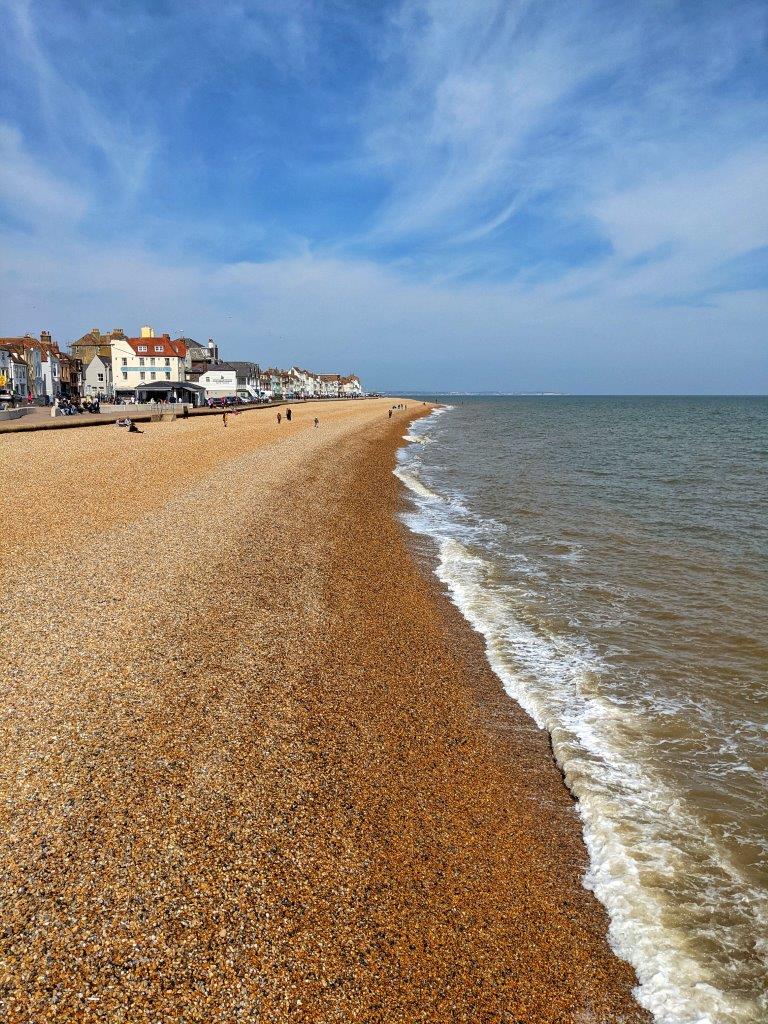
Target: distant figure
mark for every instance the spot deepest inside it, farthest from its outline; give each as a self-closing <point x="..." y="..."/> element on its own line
<point x="390" y="414"/>
<point x="185" y="412"/>
<point x="288" y="415"/>
<point x="133" y="429"/>
<point x="279" y="418"/>
<point x="317" y="422"/>
<point x="224" y="417"/>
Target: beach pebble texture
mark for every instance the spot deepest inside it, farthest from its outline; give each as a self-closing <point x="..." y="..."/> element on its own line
<point x="253" y="766"/>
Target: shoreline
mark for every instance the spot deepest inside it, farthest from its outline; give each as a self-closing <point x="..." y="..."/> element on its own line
<point x="268" y="774"/>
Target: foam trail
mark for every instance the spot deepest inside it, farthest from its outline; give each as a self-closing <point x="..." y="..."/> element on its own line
<point x="638" y="832"/>
<point x="674" y="986"/>
<point x="413" y="483"/>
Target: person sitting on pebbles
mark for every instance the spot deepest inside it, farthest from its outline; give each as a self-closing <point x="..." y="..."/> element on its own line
<point x="128" y="422"/>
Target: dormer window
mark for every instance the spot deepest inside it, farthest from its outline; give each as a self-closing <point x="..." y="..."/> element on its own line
<point x="142" y="348"/>
<point x="158" y="348"/>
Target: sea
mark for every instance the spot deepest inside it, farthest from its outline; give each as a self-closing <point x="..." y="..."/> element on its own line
<point x="613" y="553"/>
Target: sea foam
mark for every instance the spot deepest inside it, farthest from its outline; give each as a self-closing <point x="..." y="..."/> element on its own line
<point x="635" y="828"/>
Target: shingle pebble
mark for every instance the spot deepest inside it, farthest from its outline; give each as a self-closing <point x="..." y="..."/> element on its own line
<point x="253" y="766"/>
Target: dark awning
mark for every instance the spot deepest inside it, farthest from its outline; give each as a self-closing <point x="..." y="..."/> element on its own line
<point x="171" y="385"/>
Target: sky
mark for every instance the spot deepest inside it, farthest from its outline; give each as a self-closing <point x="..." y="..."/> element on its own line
<point x="478" y="195"/>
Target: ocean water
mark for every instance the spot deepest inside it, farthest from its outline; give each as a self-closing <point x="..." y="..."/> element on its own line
<point x="613" y="552"/>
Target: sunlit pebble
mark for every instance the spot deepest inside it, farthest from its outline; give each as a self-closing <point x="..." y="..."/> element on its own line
<point x="217" y="718"/>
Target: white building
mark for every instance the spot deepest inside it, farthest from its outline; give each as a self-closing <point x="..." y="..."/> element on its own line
<point x="350" y="387"/>
<point x="305" y="382"/>
<point x="6" y="370"/>
<point x="330" y="384"/>
<point x="98" y="378"/>
<point x="14" y="371"/>
<point x="219" y="381"/>
<point x="51" y="371"/>
<point x="138" y="361"/>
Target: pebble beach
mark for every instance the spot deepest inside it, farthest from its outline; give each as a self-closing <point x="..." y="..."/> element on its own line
<point x="254" y="766"/>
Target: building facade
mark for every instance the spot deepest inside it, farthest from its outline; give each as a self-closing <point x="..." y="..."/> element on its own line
<point x="139" y="361"/>
<point x="350" y="387"/>
<point x="97" y="382"/>
<point x="72" y="375"/>
<point x="219" y="381"/>
<point x="14" y="371"/>
<point x="95" y="343"/>
<point x="248" y="379"/>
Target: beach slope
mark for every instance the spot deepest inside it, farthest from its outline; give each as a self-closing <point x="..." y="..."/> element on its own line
<point x="254" y="766"/>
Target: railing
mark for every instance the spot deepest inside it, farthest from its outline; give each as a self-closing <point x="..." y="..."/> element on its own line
<point x="129" y="408"/>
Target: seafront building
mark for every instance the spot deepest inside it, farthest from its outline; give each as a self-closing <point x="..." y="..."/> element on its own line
<point x="115" y="367"/>
<point x="218" y="379"/>
<point x="148" y="358"/>
<point x="97" y="377"/>
<point x="35" y="370"/>
<point x="14" y="379"/>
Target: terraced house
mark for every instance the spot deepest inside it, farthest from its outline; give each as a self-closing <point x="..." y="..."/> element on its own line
<point x="14" y="372"/>
<point x="140" y="361"/>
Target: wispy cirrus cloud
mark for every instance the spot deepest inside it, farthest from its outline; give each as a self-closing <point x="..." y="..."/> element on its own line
<point x="501" y="120"/>
<point x="33" y="195"/>
<point x="396" y="177"/>
<point x="71" y="123"/>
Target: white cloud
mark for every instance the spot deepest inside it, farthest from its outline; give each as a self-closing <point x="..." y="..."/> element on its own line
<point x="28" y="190"/>
<point x="344" y="314"/>
<point x="482" y="112"/>
<point x="720" y="211"/>
<point x="74" y="120"/>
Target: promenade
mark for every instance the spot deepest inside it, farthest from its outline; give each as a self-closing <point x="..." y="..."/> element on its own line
<point x="39" y="417"/>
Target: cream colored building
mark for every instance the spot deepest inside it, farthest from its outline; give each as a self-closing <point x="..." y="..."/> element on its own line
<point x="140" y="361"/>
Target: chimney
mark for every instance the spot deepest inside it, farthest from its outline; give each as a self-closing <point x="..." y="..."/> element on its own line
<point x="147" y="332"/>
<point x="45" y="337"/>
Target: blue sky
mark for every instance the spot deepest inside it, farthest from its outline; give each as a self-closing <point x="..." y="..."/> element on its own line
<point x="494" y="194"/>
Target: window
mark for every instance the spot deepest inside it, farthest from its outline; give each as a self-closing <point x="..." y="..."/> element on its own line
<point x="141" y="348"/>
<point x="152" y="375"/>
<point x="152" y="361"/>
<point x="158" y="348"/>
<point x="141" y="362"/>
<point x="100" y="376"/>
<point x="143" y="375"/>
<point x="167" y="374"/>
<point x="167" y="362"/>
<point x="125" y="375"/>
<point x="124" y="361"/>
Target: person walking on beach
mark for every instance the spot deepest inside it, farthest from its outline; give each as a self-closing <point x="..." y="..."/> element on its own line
<point x="288" y="415"/>
<point x="390" y="414"/>
<point x="224" y="417"/>
<point x="279" y="418"/>
<point x="317" y="422"/>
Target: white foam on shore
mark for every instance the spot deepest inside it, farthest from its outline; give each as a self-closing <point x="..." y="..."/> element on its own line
<point x="630" y="819"/>
<point x="639" y="834"/>
<point x="415" y="485"/>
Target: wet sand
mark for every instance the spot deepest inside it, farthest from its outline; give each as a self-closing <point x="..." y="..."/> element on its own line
<point x="254" y="767"/>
